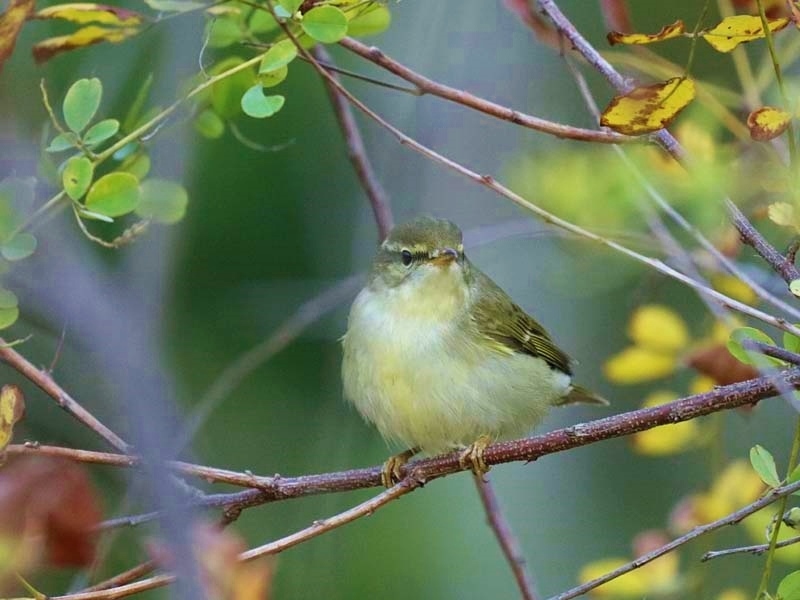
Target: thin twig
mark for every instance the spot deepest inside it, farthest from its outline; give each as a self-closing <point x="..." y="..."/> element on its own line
<point x="506" y="538"/>
<point x="428" y="86"/>
<point x="735" y="517"/>
<point x="123" y="578"/>
<point x="756" y="550"/>
<point x="45" y="382"/>
<point x="120" y="591"/>
<point x="359" y="158"/>
<point x="773" y="351"/>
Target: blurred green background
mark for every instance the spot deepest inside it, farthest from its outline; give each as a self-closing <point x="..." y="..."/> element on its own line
<point x="266" y="232"/>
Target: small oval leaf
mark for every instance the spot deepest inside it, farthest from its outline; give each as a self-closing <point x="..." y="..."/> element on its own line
<point x="100" y="132"/>
<point x="77" y="176"/>
<point x="767" y="123"/>
<point x="667" y="32"/>
<point x="8" y="316"/>
<point x="372" y="20"/>
<point x="259" y="106"/>
<point x="63" y="141"/>
<point x="764" y="464"/>
<point x="789" y="587"/>
<point x="20" y="246"/>
<point x="113" y="195"/>
<point x="273" y="78"/>
<point x="749" y="357"/>
<point x="81" y="103"/>
<point x="209" y="124"/>
<point x="739" y="29"/>
<point x="280" y="55"/>
<point x="326" y="24"/>
<point x="290" y="6"/>
<point x="648" y="108"/>
<point x="163" y="201"/>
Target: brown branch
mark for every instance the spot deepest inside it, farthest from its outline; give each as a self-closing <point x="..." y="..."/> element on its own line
<point x="493" y="109"/>
<point x="755" y="550"/>
<point x="123" y="578"/>
<point x="505" y="536"/>
<point x="750" y="236"/>
<point x="355" y="150"/>
<point x="731" y="519"/>
<point x="46" y="383"/>
<point x="120" y="591"/>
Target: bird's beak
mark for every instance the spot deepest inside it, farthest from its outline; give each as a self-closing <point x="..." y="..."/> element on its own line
<point x="446" y="256"/>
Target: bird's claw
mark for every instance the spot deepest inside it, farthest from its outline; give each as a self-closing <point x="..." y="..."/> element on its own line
<point x="472" y="456"/>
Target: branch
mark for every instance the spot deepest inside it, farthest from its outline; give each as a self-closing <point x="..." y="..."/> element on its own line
<point x="750" y="236"/>
<point x="355" y="150"/>
<point x="508" y="542"/>
<point x="756" y="550"/>
<point x="277" y="488"/>
<point x="428" y="86"/>
<point x="46" y="383"/>
<point x="735" y="517"/>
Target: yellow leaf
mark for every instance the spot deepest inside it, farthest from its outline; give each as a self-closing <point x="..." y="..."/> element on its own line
<point x="658" y="327"/>
<point x="701" y="384"/>
<point x="658" y="575"/>
<point x="636" y="365"/>
<point x="11" y="22"/>
<point x="733" y="594"/>
<point x="667" y="439"/>
<point x="86" y="36"/>
<point x="648" y="108"/>
<point x="767" y="122"/>
<point x="735" y="288"/>
<point x="667" y="32"/>
<point x="736" y="486"/>
<point x="783" y="213"/>
<point x="756" y="526"/>
<point x="739" y="29"/>
<point x="12" y="408"/>
<point x="85" y="12"/>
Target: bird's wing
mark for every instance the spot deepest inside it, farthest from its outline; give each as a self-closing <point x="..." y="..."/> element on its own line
<point x="512" y="329"/>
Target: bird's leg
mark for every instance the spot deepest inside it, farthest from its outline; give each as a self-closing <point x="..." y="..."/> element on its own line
<point x="472" y="456"/>
<point x="391" y="468"/>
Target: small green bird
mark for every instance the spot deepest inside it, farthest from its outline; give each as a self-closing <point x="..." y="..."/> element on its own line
<point x="438" y="357"/>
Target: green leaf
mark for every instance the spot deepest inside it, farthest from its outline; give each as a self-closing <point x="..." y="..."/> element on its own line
<point x="226" y="94"/>
<point x="280" y="55"/>
<point x="8" y="299"/>
<point x="764" y="465"/>
<point x="262" y="22"/>
<point x="137" y="164"/>
<point x="163" y="201"/>
<point x="81" y="103"/>
<point x="113" y="195"/>
<point x="370" y="21"/>
<point x="177" y="6"/>
<point x="224" y="32"/>
<point x="326" y="24"/>
<point x="20" y="246"/>
<point x="63" y="141"/>
<point x="791" y="342"/>
<point x="100" y="132"/>
<point x="209" y="124"/>
<point x="735" y="347"/>
<point x="8" y="316"/>
<point x="789" y="587"/>
<point x="259" y="106"/>
<point x="794" y="287"/>
<point x="273" y="78"/>
<point x="290" y="6"/>
<point x="794" y="475"/>
<point x="77" y="176"/>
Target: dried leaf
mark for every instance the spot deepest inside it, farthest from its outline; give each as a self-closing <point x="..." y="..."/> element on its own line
<point x="12" y="409"/>
<point x="739" y="29"/>
<point x="86" y="12"/>
<point x="720" y="365"/>
<point x="648" y="108"/>
<point x="767" y="122"/>
<point x="86" y="36"/>
<point x="11" y="23"/>
<point x="667" y="32"/>
<point x="49" y="504"/>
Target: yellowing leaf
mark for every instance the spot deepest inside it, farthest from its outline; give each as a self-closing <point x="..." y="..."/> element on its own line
<point x="736" y="486"/>
<point x="636" y="365"/>
<point x="701" y="384"/>
<point x="659" y="328"/>
<point x="86" y="36"/>
<point x="667" y="439"/>
<point x="11" y="23"/>
<point x="12" y="408"/>
<point x="630" y="585"/>
<point x="735" y="288"/>
<point x="784" y="214"/>
<point x="733" y="594"/>
<point x="86" y="12"/>
<point x="739" y="29"/>
<point x="667" y="32"/>
<point x="648" y="108"/>
<point x="767" y="122"/>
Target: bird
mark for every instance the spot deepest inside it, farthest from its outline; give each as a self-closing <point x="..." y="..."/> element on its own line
<point x="438" y="357"/>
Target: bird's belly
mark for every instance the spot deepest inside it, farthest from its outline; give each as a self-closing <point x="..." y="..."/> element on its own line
<point x="425" y="386"/>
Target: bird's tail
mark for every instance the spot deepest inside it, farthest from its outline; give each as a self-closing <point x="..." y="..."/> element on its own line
<point x="578" y="394"/>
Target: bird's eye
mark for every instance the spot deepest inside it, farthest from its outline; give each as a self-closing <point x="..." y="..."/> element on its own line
<point x="406" y="257"/>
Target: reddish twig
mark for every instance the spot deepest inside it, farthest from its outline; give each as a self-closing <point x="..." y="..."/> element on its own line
<point x="434" y="88"/>
<point x="45" y="382"/>
<point x="123" y="578"/>
<point x="508" y="542"/>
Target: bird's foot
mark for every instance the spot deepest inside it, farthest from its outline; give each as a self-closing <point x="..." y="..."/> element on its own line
<point x="391" y="468"/>
<point x="472" y="456"/>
